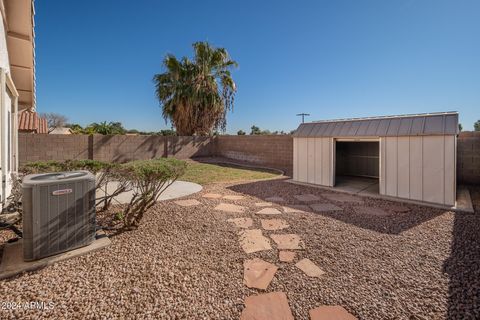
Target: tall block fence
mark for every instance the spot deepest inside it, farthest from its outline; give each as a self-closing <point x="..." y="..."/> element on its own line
<point x="468" y="157"/>
<point x="116" y="148"/>
<point x="274" y="151"/>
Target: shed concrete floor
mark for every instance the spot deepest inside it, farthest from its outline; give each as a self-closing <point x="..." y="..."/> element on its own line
<point x="358" y="185"/>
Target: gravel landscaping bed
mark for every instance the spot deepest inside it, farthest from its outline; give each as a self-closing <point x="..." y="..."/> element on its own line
<point x="186" y="263"/>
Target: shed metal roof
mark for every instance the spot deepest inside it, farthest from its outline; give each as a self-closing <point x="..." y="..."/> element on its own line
<point x="441" y="123"/>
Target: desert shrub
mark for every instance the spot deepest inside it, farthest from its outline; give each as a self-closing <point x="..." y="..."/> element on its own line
<point x="40" y="167"/>
<point x="93" y="166"/>
<point x="148" y="179"/>
<point x="15" y="197"/>
<point x="105" y="173"/>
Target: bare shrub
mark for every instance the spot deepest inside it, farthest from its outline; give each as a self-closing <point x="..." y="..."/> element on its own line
<point x="148" y="178"/>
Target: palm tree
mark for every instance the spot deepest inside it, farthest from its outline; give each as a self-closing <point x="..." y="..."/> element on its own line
<point x="102" y="128"/>
<point x="195" y="95"/>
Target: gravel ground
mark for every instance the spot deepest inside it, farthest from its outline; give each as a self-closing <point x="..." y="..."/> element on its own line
<point x="186" y="263"/>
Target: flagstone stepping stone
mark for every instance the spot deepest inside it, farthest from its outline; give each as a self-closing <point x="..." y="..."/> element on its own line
<point x="274" y="224"/>
<point x="263" y="204"/>
<point x="331" y="313"/>
<point x="269" y="211"/>
<point x="286" y="256"/>
<point x="228" y="207"/>
<point x="309" y="268"/>
<point x="188" y="202"/>
<point x="296" y="208"/>
<point x="275" y="199"/>
<point x="343" y="197"/>
<point x="271" y="306"/>
<point x="233" y="197"/>
<point x="212" y="195"/>
<point x="244" y="223"/>
<point x="258" y="273"/>
<point x="287" y="241"/>
<point x="373" y="211"/>
<point x="307" y="197"/>
<point x="324" y="207"/>
<point x="253" y="240"/>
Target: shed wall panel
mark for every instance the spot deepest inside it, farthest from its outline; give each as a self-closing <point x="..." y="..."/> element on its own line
<point x="295" y="159"/>
<point x="450" y="181"/>
<point x="318" y="161"/>
<point x="326" y="162"/>
<point x="403" y="171"/>
<point x="382" y="172"/>
<point x="433" y="169"/>
<point x="391" y="166"/>
<point x="419" y="168"/>
<point x="311" y="160"/>
<point x="302" y="159"/>
<point x="416" y="168"/>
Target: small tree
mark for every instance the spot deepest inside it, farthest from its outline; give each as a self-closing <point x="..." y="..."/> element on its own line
<point x="241" y="133"/>
<point x="255" y="130"/>
<point x="75" y="128"/>
<point x="476" y="125"/>
<point x="148" y="179"/>
<point x="460" y="127"/>
<point x="105" y="128"/>
<point x="54" y="120"/>
<point x="117" y="128"/>
<point x="168" y="132"/>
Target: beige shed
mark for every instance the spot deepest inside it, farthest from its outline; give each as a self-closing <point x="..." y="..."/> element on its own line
<point x="409" y="156"/>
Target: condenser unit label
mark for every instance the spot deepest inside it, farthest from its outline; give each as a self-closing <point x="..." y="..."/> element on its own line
<point x="62" y="191"/>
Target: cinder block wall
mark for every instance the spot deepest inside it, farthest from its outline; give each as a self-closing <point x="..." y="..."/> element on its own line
<point x="272" y="151"/>
<point x="468" y="157"/>
<point x="118" y="148"/>
<point x="41" y="147"/>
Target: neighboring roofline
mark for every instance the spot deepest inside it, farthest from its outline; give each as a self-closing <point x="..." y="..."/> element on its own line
<point x="389" y="117"/>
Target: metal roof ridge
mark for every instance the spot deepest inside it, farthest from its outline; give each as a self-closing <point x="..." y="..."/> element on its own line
<point x="415" y="115"/>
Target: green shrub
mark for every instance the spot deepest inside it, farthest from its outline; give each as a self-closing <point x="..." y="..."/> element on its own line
<point x="148" y="179"/>
<point x="105" y="172"/>
<point x="93" y="166"/>
<point x="41" y="167"/>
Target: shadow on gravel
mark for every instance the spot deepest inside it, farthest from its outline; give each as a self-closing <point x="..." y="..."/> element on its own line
<point x="390" y="223"/>
<point x="463" y="265"/>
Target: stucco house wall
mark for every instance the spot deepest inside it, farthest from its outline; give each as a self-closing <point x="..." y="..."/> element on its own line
<point x="4" y="62"/>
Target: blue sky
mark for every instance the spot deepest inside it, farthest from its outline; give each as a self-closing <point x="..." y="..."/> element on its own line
<point x="332" y="59"/>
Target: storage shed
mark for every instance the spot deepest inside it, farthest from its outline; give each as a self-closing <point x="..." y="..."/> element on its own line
<point x="409" y="156"/>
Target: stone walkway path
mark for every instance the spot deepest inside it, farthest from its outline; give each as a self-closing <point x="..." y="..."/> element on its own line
<point x="258" y="273"/>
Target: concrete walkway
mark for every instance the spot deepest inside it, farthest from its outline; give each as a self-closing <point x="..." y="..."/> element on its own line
<point x="177" y="190"/>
